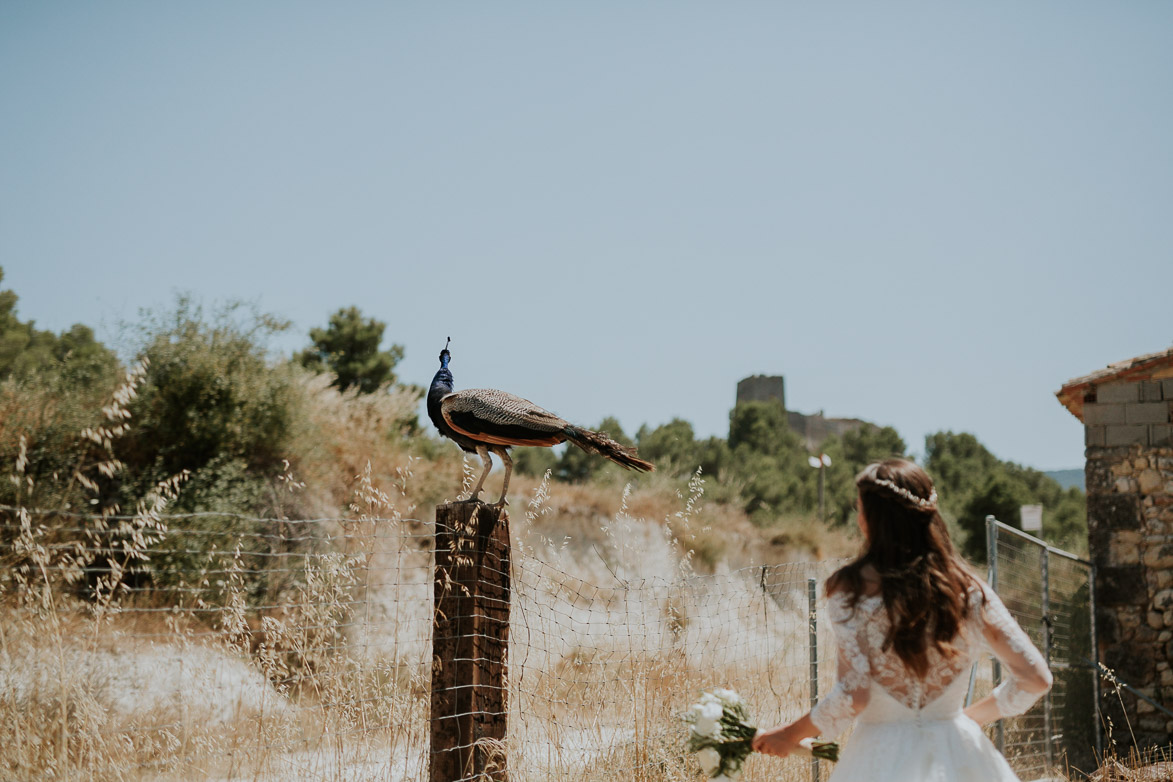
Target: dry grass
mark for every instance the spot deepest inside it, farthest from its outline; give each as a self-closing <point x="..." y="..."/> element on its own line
<point x="1154" y="765"/>
<point x="627" y="602"/>
<point x="613" y="637"/>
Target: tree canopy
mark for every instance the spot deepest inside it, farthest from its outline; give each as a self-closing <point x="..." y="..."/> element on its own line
<point x="349" y="347"/>
<point x="215" y="403"/>
<point x="26" y="350"/>
<point x="973" y="484"/>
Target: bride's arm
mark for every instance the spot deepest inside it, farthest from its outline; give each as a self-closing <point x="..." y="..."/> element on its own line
<point x="834" y="713"/>
<point x="1026" y="673"/>
<point x="783" y="740"/>
<point x="983" y="711"/>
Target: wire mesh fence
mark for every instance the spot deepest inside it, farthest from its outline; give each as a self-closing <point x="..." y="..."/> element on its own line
<point x="1050" y="593"/>
<point x="230" y="647"/>
<point x="222" y="647"/>
<point x="605" y="671"/>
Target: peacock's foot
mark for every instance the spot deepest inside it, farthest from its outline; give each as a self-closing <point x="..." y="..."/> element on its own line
<point x="474" y="498"/>
<point x="501" y="503"/>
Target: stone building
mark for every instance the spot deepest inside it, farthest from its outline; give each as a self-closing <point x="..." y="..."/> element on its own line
<point x="1127" y="412"/>
<point x="813" y="428"/>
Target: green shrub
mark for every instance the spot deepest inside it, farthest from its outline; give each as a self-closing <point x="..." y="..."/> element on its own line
<point x="674" y="449"/>
<point x="212" y="403"/>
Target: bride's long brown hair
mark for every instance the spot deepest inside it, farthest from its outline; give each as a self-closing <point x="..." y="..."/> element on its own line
<point x="923" y="581"/>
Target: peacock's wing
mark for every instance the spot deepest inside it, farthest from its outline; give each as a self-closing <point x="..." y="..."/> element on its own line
<point x="498" y="418"/>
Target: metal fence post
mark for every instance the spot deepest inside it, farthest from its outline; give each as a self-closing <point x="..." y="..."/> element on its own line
<point x="813" y="628"/>
<point x="1095" y="650"/>
<point x="992" y="558"/>
<point x="1048" y="725"/>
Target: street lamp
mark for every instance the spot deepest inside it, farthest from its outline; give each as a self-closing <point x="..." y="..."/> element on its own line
<point x="821" y="463"/>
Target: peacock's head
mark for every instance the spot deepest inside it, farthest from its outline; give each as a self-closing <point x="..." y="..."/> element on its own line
<point x="445" y="356"/>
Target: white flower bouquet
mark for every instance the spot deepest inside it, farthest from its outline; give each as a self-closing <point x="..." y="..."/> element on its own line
<point x="722" y="735"/>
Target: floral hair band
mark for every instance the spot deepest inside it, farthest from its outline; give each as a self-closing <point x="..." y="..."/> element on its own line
<point x="920" y="502"/>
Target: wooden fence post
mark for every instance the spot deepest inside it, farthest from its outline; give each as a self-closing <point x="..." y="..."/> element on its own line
<point x="470" y="636"/>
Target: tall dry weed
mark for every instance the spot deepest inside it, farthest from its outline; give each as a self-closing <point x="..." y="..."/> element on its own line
<point x="298" y="647"/>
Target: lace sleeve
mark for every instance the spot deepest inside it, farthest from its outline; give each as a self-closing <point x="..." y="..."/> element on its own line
<point x="1026" y="673"/>
<point x="835" y="712"/>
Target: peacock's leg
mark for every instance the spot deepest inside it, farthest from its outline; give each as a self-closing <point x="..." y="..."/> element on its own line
<point x="482" y="452"/>
<point x="508" y="462"/>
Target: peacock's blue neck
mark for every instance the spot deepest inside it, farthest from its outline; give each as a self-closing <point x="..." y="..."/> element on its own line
<point x="442" y="381"/>
<point x="441" y="387"/>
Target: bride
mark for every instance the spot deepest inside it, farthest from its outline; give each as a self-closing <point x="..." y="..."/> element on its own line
<point x="910" y="620"/>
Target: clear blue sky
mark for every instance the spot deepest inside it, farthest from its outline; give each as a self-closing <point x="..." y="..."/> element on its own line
<point x="928" y="215"/>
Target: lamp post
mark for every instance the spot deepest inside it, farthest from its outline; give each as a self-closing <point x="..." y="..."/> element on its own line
<point x="821" y="463"/>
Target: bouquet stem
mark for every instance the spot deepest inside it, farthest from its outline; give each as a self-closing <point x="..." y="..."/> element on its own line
<point x="823" y="750"/>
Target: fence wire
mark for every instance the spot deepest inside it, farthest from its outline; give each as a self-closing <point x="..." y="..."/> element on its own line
<point x="229" y="647"/>
<point x="1049" y="593"/>
<point x="224" y="647"/>
<point x="604" y="672"/>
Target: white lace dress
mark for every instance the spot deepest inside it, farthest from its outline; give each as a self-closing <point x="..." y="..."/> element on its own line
<point x="909" y="729"/>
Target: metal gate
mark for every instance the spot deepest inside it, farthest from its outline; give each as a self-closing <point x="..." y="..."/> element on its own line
<point x="1051" y="593"/>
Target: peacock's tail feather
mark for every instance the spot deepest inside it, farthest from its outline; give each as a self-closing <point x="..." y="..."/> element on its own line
<point x="600" y="443"/>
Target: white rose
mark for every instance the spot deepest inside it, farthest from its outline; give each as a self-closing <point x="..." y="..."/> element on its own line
<point x="709" y="759"/>
<point x="707" y="718"/>
<point x="727" y="695"/>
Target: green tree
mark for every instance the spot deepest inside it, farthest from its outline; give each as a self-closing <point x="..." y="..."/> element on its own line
<point x="52" y="388"/>
<point x="761" y="427"/>
<point x="714" y="460"/>
<point x="849" y="454"/>
<point x="973" y="484"/>
<point x="958" y="464"/>
<point x="349" y="347"/>
<point x="867" y="444"/>
<point x="535" y="461"/>
<point x="768" y="461"/>
<point x="1064" y="510"/>
<point x="1000" y="495"/>
<point x="212" y="404"/>
<point x="26" y="350"/>
<point x="674" y="449"/>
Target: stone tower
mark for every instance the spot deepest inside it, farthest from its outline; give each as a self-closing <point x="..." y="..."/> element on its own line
<point x="762" y="388"/>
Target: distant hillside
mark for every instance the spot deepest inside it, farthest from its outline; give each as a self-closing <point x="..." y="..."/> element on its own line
<point x="1068" y="478"/>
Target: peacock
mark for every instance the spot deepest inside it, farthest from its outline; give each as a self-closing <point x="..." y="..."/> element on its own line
<point x="484" y="421"/>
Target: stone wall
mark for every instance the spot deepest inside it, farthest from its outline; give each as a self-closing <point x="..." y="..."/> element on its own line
<point x="814" y="429"/>
<point x="1129" y="474"/>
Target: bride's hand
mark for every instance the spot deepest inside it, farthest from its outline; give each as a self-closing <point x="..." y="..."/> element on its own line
<point x="778" y="742"/>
